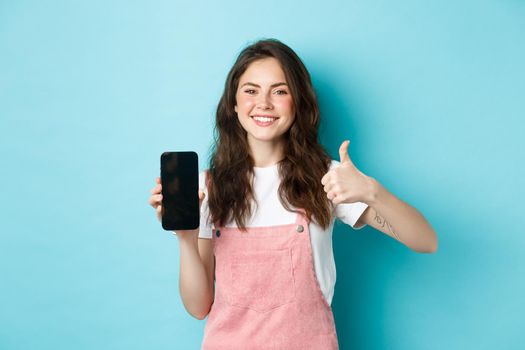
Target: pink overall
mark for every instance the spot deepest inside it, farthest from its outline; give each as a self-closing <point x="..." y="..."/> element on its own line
<point x="266" y="293"/>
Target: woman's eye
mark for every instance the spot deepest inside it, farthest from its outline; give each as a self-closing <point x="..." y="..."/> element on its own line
<point x="278" y="92"/>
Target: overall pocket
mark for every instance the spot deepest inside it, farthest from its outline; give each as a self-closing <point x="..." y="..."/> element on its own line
<point x="262" y="280"/>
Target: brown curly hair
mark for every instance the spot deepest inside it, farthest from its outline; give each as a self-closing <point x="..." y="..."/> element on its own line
<point x="230" y="175"/>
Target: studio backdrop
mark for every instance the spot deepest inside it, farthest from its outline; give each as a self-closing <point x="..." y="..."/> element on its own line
<point x="430" y="93"/>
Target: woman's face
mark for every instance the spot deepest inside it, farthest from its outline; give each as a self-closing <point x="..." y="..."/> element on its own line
<point x="264" y="102"/>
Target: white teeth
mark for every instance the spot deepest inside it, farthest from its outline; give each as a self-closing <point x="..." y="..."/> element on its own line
<point x="263" y="119"/>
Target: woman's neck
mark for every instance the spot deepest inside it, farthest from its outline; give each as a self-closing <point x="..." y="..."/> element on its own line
<point x="266" y="153"/>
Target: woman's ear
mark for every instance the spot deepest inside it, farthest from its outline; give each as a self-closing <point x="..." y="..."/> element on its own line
<point x="235" y="108"/>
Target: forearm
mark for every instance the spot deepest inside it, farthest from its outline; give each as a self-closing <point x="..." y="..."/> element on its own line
<point x="195" y="290"/>
<point x="405" y="222"/>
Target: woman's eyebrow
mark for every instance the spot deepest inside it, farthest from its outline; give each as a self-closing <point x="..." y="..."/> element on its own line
<point x="273" y="85"/>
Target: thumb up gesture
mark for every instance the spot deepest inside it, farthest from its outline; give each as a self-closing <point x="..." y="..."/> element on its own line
<point x="345" y="183"/>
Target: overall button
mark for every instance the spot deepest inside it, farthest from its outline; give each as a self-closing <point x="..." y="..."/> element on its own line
<point x="299" y="228"/>
<point x="217" y="233"/>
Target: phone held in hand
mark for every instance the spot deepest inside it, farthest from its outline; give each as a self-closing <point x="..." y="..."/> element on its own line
<point x="179" y="176"/>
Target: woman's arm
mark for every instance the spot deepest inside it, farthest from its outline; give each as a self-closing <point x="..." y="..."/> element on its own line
<point x="392" y="216"/>
<point x="196" y="277"/>
<point x="197" y="264"/>
<point x="386" y="212"/>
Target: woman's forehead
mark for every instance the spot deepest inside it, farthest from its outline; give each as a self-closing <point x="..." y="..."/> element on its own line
<point x="266" y="71"/>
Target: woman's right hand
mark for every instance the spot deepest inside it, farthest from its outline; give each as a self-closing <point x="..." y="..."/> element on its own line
<point x="155" y="200"/>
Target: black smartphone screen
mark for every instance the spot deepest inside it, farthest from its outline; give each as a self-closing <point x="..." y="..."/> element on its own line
<point x="179" y="176"/>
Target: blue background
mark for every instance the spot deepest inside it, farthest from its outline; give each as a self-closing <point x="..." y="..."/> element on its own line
<point x="431" y="95"/>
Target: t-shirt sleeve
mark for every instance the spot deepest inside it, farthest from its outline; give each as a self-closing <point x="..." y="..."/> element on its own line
<point x="205" y="227"/>
<point x="349" y="213"/>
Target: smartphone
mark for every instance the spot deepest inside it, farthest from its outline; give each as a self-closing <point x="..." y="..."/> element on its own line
<point x="179" y="177"/>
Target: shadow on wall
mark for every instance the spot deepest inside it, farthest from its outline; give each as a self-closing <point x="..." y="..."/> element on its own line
<point x="359" y="300"/>
<point x="354" y="251"/>
<point x="382" y="284"/>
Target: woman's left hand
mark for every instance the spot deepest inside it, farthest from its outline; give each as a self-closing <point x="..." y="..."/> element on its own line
<point x="346" y="184"/>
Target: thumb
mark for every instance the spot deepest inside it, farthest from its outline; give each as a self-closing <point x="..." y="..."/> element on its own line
<point x="343" y="152"/>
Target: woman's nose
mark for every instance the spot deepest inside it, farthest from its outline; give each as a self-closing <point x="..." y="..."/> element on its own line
<point x="264" y="102"/>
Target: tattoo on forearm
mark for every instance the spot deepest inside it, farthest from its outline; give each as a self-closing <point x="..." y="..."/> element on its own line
<point x="381" y="221"/>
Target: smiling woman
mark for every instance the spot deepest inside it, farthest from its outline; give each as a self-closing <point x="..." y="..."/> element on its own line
<point x="265" y="107"/>
<point x="269" y="202"/>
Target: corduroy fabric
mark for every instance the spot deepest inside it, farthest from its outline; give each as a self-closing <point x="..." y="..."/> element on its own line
<point x="266" y="292"/>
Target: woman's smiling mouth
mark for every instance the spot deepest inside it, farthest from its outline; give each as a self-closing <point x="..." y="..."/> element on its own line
<point x="264" y="120"/>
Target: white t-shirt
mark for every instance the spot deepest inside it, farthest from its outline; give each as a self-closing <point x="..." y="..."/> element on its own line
<point x="271" y="212"/>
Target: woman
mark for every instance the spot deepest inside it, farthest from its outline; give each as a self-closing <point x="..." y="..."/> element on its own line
<point x="261" y="265"/>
